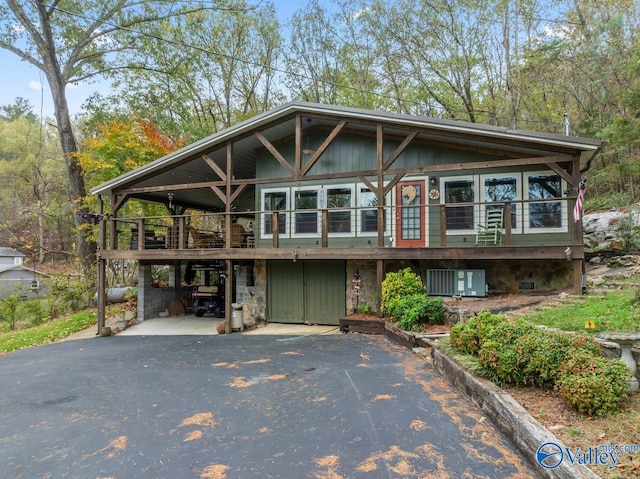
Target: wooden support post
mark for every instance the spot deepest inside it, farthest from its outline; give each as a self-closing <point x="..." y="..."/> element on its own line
<point x="102" y="295"/>
<point x="577" y="276"/>
<point x="443" y="226"/>
<point x="507" y="223"/>
<point x="325" y="228"/>
<point x="113" y="234"/>
<point x="141" y="234"/>
<point x="182" y="237"/>
<point x="228" y="297"/>
<point x="380" y="182"/>
<point x="102" y="275"/>
<point x="379" y="280"/>
<point x="228" y="233"/>
<point x="275" y="227"/>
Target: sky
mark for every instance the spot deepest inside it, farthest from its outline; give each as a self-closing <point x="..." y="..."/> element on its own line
<point x="20" y="79"/>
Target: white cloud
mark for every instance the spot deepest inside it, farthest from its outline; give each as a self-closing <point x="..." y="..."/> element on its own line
<point x="35" y="85"/>
<point x="556" y="31"/>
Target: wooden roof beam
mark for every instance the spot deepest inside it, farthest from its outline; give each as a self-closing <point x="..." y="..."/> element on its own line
<point x="275" y="153"/>
<point x="218" y="171"/>
<point x="401" y="147"/>
<point x="325" y="144"/>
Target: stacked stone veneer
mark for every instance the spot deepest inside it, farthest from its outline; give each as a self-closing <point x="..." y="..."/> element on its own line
<point x="258" y="306"/>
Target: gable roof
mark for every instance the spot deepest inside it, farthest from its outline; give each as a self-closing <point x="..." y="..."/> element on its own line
<point x="11" y="267"/>
<point x="6" y="251"/>
<point x="186" y="165"/>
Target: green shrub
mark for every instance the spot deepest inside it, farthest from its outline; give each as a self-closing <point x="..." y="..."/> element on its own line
<point x="412" y="312"/>
<point x="65" y="297"/>
<point x="8" y="309"/>
<point x="436" y="312"/>
<point x="544" y="352"/>
<point x="592" y="384"/>
<point x="468" y="337"/>
<point x="522" y="354"/>
<point x="398" y="285"/>
<point x="499" y="351"/>
<point x="408" y="311"/>
<point x="35" y="312"/>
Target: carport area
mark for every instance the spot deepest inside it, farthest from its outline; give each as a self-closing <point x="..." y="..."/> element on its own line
<point x="190" y="325"/>
<point x="241" y="406"/>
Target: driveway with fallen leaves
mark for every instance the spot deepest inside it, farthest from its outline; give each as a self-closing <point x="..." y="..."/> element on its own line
<point x="234" y="406"/>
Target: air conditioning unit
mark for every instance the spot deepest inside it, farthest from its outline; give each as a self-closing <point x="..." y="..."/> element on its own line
<point x="456" y="282"/>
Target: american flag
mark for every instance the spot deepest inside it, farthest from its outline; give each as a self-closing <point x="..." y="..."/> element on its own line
<point x="577" y="209"/>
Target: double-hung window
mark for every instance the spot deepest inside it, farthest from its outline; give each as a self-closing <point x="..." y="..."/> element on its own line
<point x="339" y="204"/>
<point x="368" y="211"/>
<point x="459" y="197"/>
<point x="306" y="212"/>
<point x="274" y="200"/>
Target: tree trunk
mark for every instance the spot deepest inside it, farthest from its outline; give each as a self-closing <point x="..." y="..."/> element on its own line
<point x="86" y="251"/>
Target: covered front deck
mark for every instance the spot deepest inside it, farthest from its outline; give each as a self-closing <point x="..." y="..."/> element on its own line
<point x="347" y="233"/>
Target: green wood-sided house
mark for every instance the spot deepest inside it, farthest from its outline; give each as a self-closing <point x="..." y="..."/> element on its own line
<point x="299" y="212"/>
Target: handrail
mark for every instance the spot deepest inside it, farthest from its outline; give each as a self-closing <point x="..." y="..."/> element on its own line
<point x="446" y="223"/>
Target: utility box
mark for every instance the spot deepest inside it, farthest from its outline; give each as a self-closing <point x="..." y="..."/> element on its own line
<point x="456" y="282"/>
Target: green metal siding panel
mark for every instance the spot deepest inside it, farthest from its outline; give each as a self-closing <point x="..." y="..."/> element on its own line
<point x="314" y="291"/>
<point x="325" y="301"/>
<point x="355" y="153"/>
<point x="286" y="291"/>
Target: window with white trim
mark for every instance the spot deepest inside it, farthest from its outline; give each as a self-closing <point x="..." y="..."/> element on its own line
<point x="274" y="200"/>
<point x="499" y="189"/>
<point x="368" y="211"/>
<point x="305" y="222"/>
<point x="544" y="214"/>
<point x="459" y="193"/>
<point x="340" y="204"/>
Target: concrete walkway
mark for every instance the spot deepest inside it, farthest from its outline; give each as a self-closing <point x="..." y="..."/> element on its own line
<point x="189" y="325"/>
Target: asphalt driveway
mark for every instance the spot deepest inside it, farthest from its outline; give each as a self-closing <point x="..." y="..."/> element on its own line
<point x="239" y="406"/>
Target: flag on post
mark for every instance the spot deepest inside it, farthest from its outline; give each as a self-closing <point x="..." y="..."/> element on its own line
<point x="577" y="209"/>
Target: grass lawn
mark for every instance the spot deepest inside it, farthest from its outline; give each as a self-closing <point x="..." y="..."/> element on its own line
<point x="48" y="332"/>
<point x="612" y="312"/>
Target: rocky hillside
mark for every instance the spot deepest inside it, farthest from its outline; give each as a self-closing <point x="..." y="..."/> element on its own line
<point x="616" y="229"/>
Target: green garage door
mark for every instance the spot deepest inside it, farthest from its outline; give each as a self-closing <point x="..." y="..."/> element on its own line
<point x="306" y="290"/>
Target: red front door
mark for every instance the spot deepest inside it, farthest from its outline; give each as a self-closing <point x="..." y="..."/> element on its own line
<point x="410" y="217"/>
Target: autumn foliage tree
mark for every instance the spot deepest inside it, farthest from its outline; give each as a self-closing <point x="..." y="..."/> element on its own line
<point x="119" y="146"/>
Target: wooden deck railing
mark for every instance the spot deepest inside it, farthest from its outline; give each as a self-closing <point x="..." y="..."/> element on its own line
<point x="446" y="223"/>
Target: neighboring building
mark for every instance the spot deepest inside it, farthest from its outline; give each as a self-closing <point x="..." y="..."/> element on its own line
<point x="300" y="212"/>
<point x="15" y="277"/>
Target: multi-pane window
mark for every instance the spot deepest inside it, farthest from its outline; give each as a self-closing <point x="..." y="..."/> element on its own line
<point x="368" y="212"/>
<point x="544" y="213"/>
<point x="306" y="222"/>
<point x="458" y="195"/>
<point x="339" y="205"/>
<point x="411" y="212"/>
<point x="274" y="201"/>
<point x="501" y="189"/>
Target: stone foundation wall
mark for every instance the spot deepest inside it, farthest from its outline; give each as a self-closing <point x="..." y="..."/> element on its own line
<point x="501" y="276"/>
<point x="259" y="307"/>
